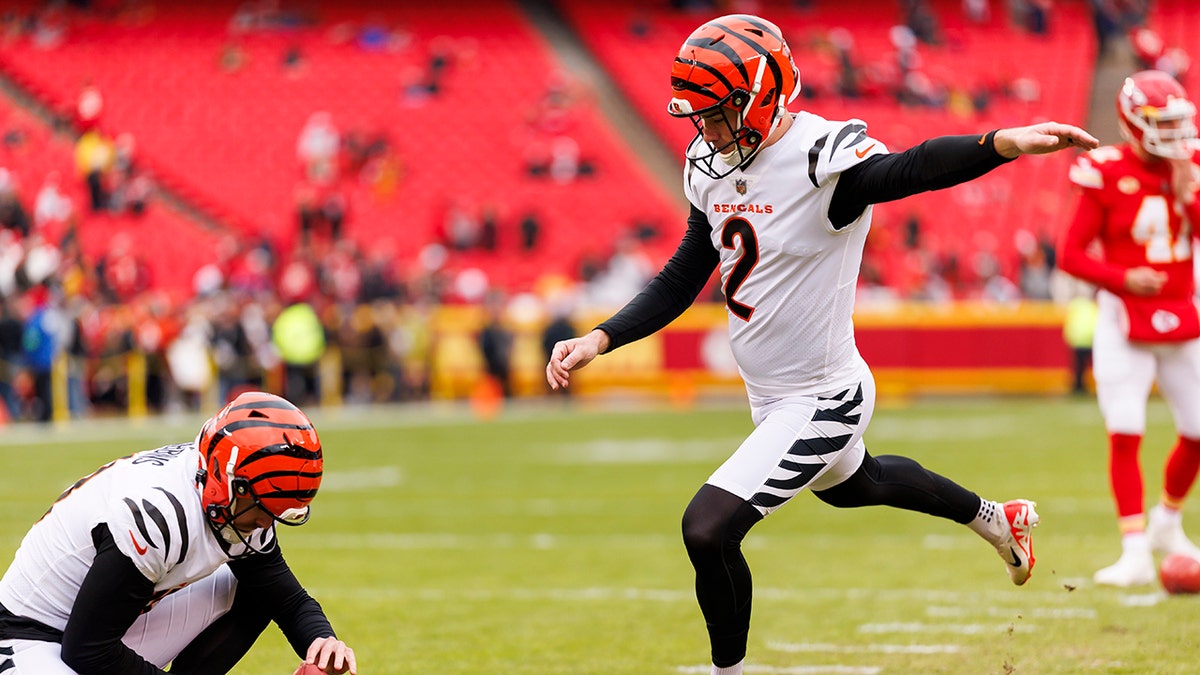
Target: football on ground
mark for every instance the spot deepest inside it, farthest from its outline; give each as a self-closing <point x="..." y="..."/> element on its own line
<point x="1180" y="574"/>
<point x="308" y="669"/>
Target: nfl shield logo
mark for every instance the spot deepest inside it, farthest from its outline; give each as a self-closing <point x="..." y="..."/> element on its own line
<point x="740" y="186"/>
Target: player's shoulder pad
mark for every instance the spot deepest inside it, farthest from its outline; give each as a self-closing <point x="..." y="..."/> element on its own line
<point x="152" y="528"/>
<point x="1085" y="173"/>
<point x="1090" y="169"/>
<point x="836" y="146"/>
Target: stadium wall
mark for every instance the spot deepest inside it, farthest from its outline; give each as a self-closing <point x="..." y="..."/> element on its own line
<point x="913" y="349"/>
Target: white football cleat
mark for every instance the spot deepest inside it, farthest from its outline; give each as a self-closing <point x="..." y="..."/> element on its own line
<point x="1135" y="567"/>
<point x="1017" y="546"/>
<point x="1164" y="531"/>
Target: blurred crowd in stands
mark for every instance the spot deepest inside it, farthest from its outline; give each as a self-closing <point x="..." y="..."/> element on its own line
<point x="258" y="316"/>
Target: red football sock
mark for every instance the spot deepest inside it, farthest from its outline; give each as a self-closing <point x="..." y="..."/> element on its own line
<point x="1180" y="472"/>
<point x="1125" y="474"/>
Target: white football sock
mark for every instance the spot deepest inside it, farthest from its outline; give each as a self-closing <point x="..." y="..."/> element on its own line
<point x="990" y="523"/>
<point x="735" y="669"/>
<point x="1166" y="515"/>
<point x="1134" y="541"/>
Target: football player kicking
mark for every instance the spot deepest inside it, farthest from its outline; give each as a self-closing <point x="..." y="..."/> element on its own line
<point x="781" y="204"/>
<point x="169" y="556"/>
<point x="1138" y="200"/>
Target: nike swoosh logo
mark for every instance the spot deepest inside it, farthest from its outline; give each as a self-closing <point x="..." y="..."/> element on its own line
<point x="862" y="153"/>
<point x="1016" y="561"/>
<point x="138" y="547"/>
<point x="982" y="139"/>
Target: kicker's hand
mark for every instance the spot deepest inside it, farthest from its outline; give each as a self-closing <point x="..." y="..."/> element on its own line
<point x="1041" y="139"/>
<point x="574" y="354"/>
<point x="332" y="655"/>
<point x="1144" y="280"/>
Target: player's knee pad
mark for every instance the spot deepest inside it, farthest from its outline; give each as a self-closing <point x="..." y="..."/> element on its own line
<point x="716" y="520"/>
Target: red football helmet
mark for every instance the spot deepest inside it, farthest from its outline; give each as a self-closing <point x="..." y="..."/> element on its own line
<point x="263" y="448"/>
<point x="741" y="62"/>
<point x="1156" y="114"/>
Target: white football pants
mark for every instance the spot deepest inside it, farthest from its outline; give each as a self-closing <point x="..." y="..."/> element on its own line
<point x="800" y="442"/>
<point x="1126" y="371"/>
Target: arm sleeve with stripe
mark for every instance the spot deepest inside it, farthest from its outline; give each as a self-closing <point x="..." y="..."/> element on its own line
<point x="672" y="291"/>
<point x="111" y="598"/>
<point x="935" y="164"/>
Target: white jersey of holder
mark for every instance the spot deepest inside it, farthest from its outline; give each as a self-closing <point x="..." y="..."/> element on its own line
<point x="150" y="504"/>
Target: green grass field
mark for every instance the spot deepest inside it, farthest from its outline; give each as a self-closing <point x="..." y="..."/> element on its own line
<point x="547" y="541"/>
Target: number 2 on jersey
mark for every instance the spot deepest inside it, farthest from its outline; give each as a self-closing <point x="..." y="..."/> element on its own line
<point x="1152" y="229"/>
<point x="733" y="230"/>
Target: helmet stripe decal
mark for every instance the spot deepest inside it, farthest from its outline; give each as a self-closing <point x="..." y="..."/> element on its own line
<point x="724" y="50"/>
<point x="249" y="424"/>
<point x="688" y="85"/>
<point x="290" y="474"/>
<point x="297" y="451"/>
<point x="762" y="51"/>
<point x="754" y="21"/>
<point x="276" y="494"/>
<point x="289" y="494"/>
<point x="277" y="404"/>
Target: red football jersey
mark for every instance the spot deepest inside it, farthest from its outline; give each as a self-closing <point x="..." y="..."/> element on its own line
<point x="1126" y="205"/>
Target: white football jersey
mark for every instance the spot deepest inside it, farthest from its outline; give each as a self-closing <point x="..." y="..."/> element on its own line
<point x="150" y="503"/>
<point x="788" y="275"/>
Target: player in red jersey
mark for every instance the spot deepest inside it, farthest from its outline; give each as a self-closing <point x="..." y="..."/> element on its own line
<point x="1139" y="204"/>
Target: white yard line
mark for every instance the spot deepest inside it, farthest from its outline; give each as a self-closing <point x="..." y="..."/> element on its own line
<point x="360" y="480"/>
<point x="1141" y="599"/>
<point x="645" y="451"/>
<point x="681" y="594"/>
<point x="832" y="669"/>
<point x="955" y="628"/>
<point x="829" y="648"/>
<point x="960" y="611"/>
<point x="420" y="541"/>
<point x="569" y="595"/>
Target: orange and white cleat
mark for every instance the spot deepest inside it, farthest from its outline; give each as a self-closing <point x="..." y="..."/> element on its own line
<point x="1017" y="547"/>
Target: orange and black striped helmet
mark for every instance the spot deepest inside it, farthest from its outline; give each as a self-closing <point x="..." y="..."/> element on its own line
<point x="742" y="62"/>
<point x="261" y="447"/>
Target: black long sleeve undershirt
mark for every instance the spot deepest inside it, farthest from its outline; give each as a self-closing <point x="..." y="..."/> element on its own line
<point x="114" y="593"/>
<point x="935" y="164"/>
<point x="267" y="590"/>
<point x="269" y="580"/>
<point x="672" y="291"/>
